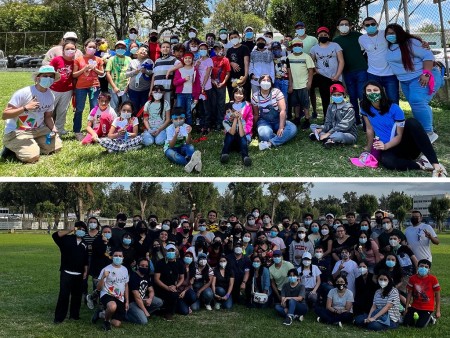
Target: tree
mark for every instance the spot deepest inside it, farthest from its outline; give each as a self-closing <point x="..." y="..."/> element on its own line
<point x="351" y="200"/>
<point x="247" y="196"/>
<point x="145" y="192"/>
<point x="205" y="196"/>
<point x="438" y="209"/>
<point x="367" y="204"/>
<point x="399" y="203"/>
<point x="428" y="28"/>
<point x="330" y="204"/>
<point x="283" y="14"/>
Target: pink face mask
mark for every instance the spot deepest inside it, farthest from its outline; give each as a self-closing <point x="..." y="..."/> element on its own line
<point x="69" y="53"/>
<point x="90" y="51"/>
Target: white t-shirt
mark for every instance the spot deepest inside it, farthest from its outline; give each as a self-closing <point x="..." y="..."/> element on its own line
<point x="376" y="49"/>
<point x="350" y="270"/>
<point x="95" y="115"/>
<point x="121" y="123"/>
<point x="187" y="86"/>
<point x="181" y="138"/>
<point x="115" y="282"/>
<point x="419" y="244"/>
<point x="33" y="119"/>
<point x="309" y="277"/>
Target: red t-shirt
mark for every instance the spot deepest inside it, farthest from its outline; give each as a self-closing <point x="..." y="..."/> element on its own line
<point x="423" y="289"/>
<point x="221" y="66"/>
<point x="65" y="69"/>
<point x="89" y="78"/>
<point x="154" y="51"/>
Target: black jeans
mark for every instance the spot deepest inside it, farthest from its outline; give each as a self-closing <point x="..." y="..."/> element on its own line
<point x="414" y="141"/>
<point x="323" y="83"/>
<point x="70" y="287"/>
<point x="235" y="142"/>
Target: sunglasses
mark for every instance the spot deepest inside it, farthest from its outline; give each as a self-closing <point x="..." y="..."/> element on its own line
<point x="373" y="24"/>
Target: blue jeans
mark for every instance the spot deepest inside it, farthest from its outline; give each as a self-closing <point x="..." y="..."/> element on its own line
<point x="185" y="101"/>
<point x="138" y="98"/>
<point x="180" y="155"/>
<point x="283" y="85"/>
<point x="206" y="298"/>
<point x="136" y="315"/>
<point x="80" y="102"/>
<point x="419" y="99"/>
<point x="267" y="132"/>
<point x="390" y="84"/>
<point x="184" y="303"/>
<point x="148" y="139"/>
<point x="294" y="308"/>
<point x="235" y="142"/>
<point x="117" y="100"/>
<point x="227" y="304"/>
<point x="374" y="326"/>
<point x="355" y="81"/>
<point x="337" y="136"/>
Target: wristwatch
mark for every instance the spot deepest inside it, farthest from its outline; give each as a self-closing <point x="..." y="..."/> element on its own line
<point x="25" y="110"/>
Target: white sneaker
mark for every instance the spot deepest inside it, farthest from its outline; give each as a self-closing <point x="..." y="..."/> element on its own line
<point x="217" y="306"/>
<point x="432" y="320"/>
<point x="424" y="163"/>
<point x="263" y="145"/>
<point x="432" y="136"/>
<point x="195" y="159"/>
<point x="90" y="302"/>
<point x="208" y="307"/>
<point x="300" y="319"/>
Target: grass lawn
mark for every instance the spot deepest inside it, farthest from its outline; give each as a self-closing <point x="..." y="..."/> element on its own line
<point x="30" y="278"/>
<point x="299" y="158"/>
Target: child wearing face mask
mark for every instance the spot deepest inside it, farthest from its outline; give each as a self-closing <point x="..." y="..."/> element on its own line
<point x="299" y="246"/>
<point x="156" y="118"/>
<point x="139" y="74"/>
<point x="204" y="67"/>
<point x="99" y="120"/>
<point x="310" y="277"/>
<point x="261" y="62"/>
<point x="123" y="134"/>
<point x="219" y="76"/>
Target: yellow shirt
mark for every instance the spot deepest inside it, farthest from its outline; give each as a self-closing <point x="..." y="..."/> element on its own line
<point x="299" y="65"/>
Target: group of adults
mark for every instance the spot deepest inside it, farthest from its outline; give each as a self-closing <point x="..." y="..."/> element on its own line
<point x="278" y="78"/>
<point x="368" y="273"/>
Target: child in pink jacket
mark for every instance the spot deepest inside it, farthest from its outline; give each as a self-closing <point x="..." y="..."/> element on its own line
<point x="187" y="86"/>
<point x="238" y="123"/>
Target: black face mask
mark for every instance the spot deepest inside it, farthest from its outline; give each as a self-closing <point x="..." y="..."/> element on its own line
<point x="414" y="220"/>
<point x="144" y="271"/>
<point x="185" y="231"/>
<point x="340" y="286"/>
<point x="121" y="224"/>
<point x="237" y="231"/>
<point x="261" y="241"/>
<point x="223" y="227"/>
<point x="156" y="248"/>
<point x="323" y="39"/>
<point x="294" y="230"/>
<point x="233" y="223"/>
<point x="153" y="38"/>
<point x="152" y="224"/>
<point x="378" y="220"/>
<point x="260" y="45"/>
<point x="173" y="225"/>
<point x="143" y="230"/>
<point x="286" y="225"/>
<point x="217" y="245"/>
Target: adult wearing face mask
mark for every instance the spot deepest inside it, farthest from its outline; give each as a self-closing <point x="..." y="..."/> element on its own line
<point x="142" y="298"/>
<point x="92" y="233"/>
<point x="210" y="41"/>
<point x="239" y="57"/>
<point x="323" y="263"/>
<point x="308" y="40"/>
<point x="355" y="69"/>
<point x="132" y="38"/>
<point x="285" y="233"/>
<point x="278" y="274"/>
<point x="352" y="227"/>
<point x="73" y="269"/>
<point x="129" y="253"/>
<point x="240" y="265"/>
<point x="141" y="240"/>
<point x="153" y="231"/>
<point x="365" y="289"/>
<point x="168" y="277"/>
<point x="116" y="69"/>
<point x="261" y="62"/>
<point x="341" y="241"/>
<point x="202" y="283"/>
<point x="154" y="50"/>
<point x="378" y="229"/>
<point x="222" y="285"/>
<point x="420" y="236"/>
<point x="58" y="51"/>
<point x="192" y="34"/>
<point x="223" y="37"/>
<point x="384" y="313"/>
<point x="313" y="232"/>
<point x="269" y="115"/>
<point x="299" y="246"/>
<point x="29" y="121"/>
<point x="248" y="38"/>
<point x="184" y="238"/>
<point x="187" y="295"/>
<point x="118" y="230"/>
<point x="203" y="232"/>
<point x="383" y="239"/>
<point x="276" y="240"/>
<point x="259" y="281"/>
<point x="349" y="268"/>
<point x="310" y="277"/>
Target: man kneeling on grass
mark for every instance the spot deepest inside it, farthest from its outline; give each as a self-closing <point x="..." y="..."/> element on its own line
<point x="30" y="129"/>
<point x="113" y="287"/>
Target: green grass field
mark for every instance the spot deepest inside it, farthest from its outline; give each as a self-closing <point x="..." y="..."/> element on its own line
<point x="29" y="288"/>
<point x="298" y="158"/>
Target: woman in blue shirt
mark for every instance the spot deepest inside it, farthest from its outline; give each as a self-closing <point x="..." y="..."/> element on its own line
<point x="400" y="141"/>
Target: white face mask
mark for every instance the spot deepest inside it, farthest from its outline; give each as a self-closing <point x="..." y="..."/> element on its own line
<point x="302" y="235"/>
<point x="393" y="243"/>
<point x="251" y="222"/>
<point x="234" y="41"/>
<point x="265" y="85"/>
<point x="166" y="227"/>
<point x="383" y="283"/>
<point x="268" y="40"/>
<point x="306" y="262"/>
<point x="266" y="220"/>
<point x="69" y="53"/>
<point x="344" y="29"/>
<point x="318" y="255"/>
<point x="192" y="35"/>
<point x="324" y="232"/>
<point x="363" y="240"/>
<point x="92" y="226"/>
<point x="133" y="36"/>
<point x="246" y="239"/>
<point x="202" y="262"/>
<point x="125" y="115"/>
<point x="256" y="214"/>
<point x="363" y="270"/>
<point x="194" y="49"/>
<point x="157" y="96"/>
<point x="238" y="251"/>
<point x="387" y="226"/>
<point x="223" y="265"/>
<point x="223" y="36"/>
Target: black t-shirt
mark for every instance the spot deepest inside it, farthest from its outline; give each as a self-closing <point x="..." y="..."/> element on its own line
<point x="237" y="55"/>
<point x="383" y="239"/>
<point x="223" y="281"/>
<point x="239" y="266"/>
<point x="347" y="244"/>
<point x="365" y="289"/>
<point x="250" y="44"/>
<point x="325" y="268"/>
<point x="179" y="239"/>
<point x="353" y="231"/>
<point x="169" y="271"/>
<point x="140" y="284"/>
<point x="101" y="253"/>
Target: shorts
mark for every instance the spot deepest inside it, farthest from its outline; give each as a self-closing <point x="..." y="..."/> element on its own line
<point x="300" y="97"/>
<point x="120" y="311"/>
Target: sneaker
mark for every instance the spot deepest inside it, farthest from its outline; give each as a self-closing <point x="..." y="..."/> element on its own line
<point x="339" y="324"/>
<point x="90" y="302"/>
<point x="6" y="152"/>
<point x="79" y="136"/>
<point x="217" y="306"/>
<point x="208" y="307"/>
<point x="432" y="136"/>
<point x="441" y="172"/>
<point x="96" y="316"/>
<point x="224" y="158"/>
<point x="300" y="318"/>
<point x="287" y="320"/>
<point x="424" y="163"/>
<point x="199" y="167"/>
<point x="306" y="124"/>
<point x="106" y="326"/>
<point x="318" y="319"/>
<point x="62" y="132"/>
<point x="312" y="137"/>
<point x="263" y="145"/>
<point x="432" y="320"/>
<point x="168" y="317"/>
<point x="247" y="161"/>
<point x="195" y="159"/>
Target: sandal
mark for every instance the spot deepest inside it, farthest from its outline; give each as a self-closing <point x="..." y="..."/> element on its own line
<point x="441" y="172"/>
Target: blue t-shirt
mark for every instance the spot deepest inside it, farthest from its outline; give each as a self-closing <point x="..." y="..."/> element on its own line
<point x="419" y="54"/>
<point x="384" y="125"/>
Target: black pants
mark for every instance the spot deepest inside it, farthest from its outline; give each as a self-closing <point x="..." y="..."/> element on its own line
<point x="170" y="300"/>
<point x="424" y="318"/>
<point x="323" y="83"/>
<point x="414" y="141"/>
<point x="70" y="287"/>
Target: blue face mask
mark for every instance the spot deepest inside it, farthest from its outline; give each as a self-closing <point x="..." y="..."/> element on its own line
<point x="292" y="279"/>
<point x="187" y="260"/>
<point x="300" y="31"/>
<point x="117" y="260"/>
<point x="297" y="50"/>
<point x="134" y="50"/>
<point x="315" y="230"/>
<point x="390" y="264"/>
<point x="392" y="38"/>
<point x="256" y="265"/>
<point x="277" y="260"/>
<point x="422" y="271"/>
<point x="80" y="233"/>
<point x="249" y="35"/>
<point x="107" y="235"/>
<point x="170" y="255"/>
<point x="46" y="82"/>
<point x="371" y="29"/>
<point x="273" y="234"/>
<point x="201" y="229"/>
<point x="364" y="227"/>
<point x="337" y="99"/>
<point x="202" y="52"/>
<point x="120" y="51"/>
<point x="126" y="241"/>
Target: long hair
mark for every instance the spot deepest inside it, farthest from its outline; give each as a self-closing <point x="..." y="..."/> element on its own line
<point x="161" y="107"/>
<point x="385" y="103"/>
<point x="404" y="42"/>
<point x="387" y="290"/>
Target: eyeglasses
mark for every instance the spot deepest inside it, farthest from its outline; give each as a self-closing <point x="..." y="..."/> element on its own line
<point x="373" y="24"/>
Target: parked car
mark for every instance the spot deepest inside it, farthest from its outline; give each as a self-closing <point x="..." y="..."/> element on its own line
<point x="37" y="62"/>
<point x="439" y="55"/>
<point x="24" y="62"/>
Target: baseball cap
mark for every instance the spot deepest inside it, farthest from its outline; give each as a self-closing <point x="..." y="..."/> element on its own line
<point x="151" y="31"/>
<point x="277" y="253"/>
<point x="301" y="229"/>
<point x="120" y="42"/>
<point x="323" y="29"/>
<point x="70" y="35"/>
<point x="201" y="255"/>
<point x="276" y="44"/>
<point x="218" y="44"/>
<point x="170" y="246"/>
<point x="296" y="42"/>
<point x="248" y="28"/>
<point x="306" y="255"/>
<point x="337" y="88"/>
<point x="329" y="214"/>
<point x="299" y="23"/>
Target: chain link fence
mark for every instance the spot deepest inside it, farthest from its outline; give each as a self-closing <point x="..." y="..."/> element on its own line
<point x="28" y="43"/>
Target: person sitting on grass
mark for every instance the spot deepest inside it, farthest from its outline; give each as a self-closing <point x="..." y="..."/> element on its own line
<point x="29" y="128"/>
<point x="424" y="294"/>
<point x="340" y="125"/>
<point x="123" y="134"/>
<point x="222" y="285"/>
<point x="293" y="303"/>
<point x="99" y="120"/>
<point x="156" y="118"/>
<point x="178" y="148"/>
<point x="269" y="115"/>
<point x="113" y="286"/>
<point x="238" y="123"/>
<point x="400" y="141"/>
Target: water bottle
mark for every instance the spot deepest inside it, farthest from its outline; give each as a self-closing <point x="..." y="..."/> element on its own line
<point x="48" y="139"/>
<point x="375" y="152"/>
<point x="125" y="136"/>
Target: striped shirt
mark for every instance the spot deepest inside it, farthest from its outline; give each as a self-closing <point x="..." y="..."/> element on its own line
<point x="162" y="65"/>
<point x="393" y="298"/>
<point x="88" y="239"/>
<point x="274" y="96"/>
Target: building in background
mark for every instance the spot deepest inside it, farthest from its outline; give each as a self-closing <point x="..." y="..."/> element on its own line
<point x="422" y="202"/>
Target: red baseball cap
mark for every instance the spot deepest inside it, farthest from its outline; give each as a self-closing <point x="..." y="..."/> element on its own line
<point x="188" y="54"/>
<point x="323" y="29"/>
<point x="337" y="88"/>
